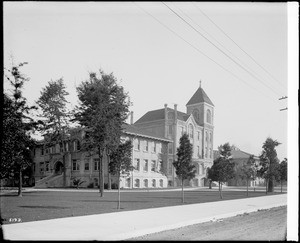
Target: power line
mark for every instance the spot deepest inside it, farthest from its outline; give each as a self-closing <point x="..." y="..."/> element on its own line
<point x="239" y="46"/>
<point x="219" y="48"/>
<point x="238" y="78"/>
<point x="217" y="41"/>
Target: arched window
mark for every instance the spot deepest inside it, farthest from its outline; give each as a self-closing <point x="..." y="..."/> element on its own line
<point x="127" y="182"/>
<point x="208" y="116"/>
<point x="161" y="183"/>
<point x="153" y="183"/>
<point x="145" y="183"/>
<point x="191" y="131"/>
<point x="137" y="183"/>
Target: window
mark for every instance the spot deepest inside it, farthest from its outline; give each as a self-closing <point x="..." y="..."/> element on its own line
<point x="198" y="151"/>
<point x="127" y="182"/>
<point x="208" y="116"/>
<point x="161" y="183"/>
<point x="191" y="131"/>
<point x="170" y="129"/>
<point x="146" y="145"/>
<point x="153" y="164"/>
<point x="137" y="183"/>
<point x="96" y="181"/>
<point x="181" y="130"/>
<point x="198" y="136"/>
<point x="86" y="164"/>
<point x="153" y="183"/>
<point x="170" y="167"/>
<point x="137" y="164"/>
<point x="206" y="152"/>
<point x="170" y="148"/>
<point x="47" y="166"/>
<point x="47" y="151"/>
<point x="145" y="183"/>
<point x="137" y="144"/>
<point x="96" y="164"/>
<point x="41" y="167"/>
<point x="42" y="150"/>
<point x="76" y="165"/>
<point x="154" y="147"/>
<point x="61" y="147"/>
<point x="145" y="165"/>
<point x="160" y="166"/>
<point x="76" y="145"/>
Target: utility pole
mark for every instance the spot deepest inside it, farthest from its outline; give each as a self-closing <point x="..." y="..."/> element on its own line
<point x="282" y="98"/>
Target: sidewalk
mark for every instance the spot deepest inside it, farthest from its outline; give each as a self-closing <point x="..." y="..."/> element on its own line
<point x="129" y="224"/>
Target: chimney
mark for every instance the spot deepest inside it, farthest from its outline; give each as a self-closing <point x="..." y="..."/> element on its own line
<point x="166" y="120"/>
<point x="175" y="111"/>
<point x="131" y="117"/>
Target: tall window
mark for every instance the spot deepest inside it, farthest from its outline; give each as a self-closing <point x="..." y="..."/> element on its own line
<point x="96" y="164"/>
<point x="42" y="150"/>
<point x="137" y="164"/>
<point x="145" y="165"/>
<point x="47" y="166"/>
<point x="76" y="165"/>
<point x="137" y="144"/>
<point x="208" y="116"/>
<point x="76" y="145"/>
<point x="170" y="129"/>
<point x="198" y="151"/>
<point x="86" y="164"/>
<point x="146" y="145"/>
<point x="170" y="167"/>
<point x="42" y="167"/>
<point x="127" y="182"/>
<point x="153" y="164"/>
<point x="170" y="148"/>
<point x="191" y="131"/>
<point x="161" y="183"/>
<point x="154" y="147"/>
<point x="145" y="183"/>
<point x="153" y="183"/>
<point x="160" y="165"/>
<point x="137" y="183"/>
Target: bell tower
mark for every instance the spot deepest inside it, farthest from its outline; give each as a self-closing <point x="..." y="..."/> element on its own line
<point x="202" y="109"/>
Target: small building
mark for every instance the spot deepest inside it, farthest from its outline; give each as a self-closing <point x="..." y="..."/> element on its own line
<point x="239" y="158"/>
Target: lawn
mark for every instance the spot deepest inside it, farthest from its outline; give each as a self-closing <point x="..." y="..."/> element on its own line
<point x="41" y="205"/>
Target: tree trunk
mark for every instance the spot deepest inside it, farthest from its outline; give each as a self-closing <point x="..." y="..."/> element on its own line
<point x="281" y="186"/>
<point x="101" y="184"/>
<point x="182" y="192"/>
<point x="220" y="190"/>
<point x="20" y="183"/>
<point x="64" y="171"/>
<point x="109" y="175"/>
<point x="271" y="184"/>
<point x="247" y="186"/>
<point x="119" y="193"/>
<point x="266" y="181"/>
<point x="209" y="184"/>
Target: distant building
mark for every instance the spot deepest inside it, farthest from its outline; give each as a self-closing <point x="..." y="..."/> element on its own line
<point x="239" y="158"/>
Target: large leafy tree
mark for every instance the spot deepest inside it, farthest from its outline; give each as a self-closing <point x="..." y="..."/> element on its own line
<point x="104" y="107"/>
<point x="223" y="167"/>
<point x="185" y="170"/>
<point x="120" y="163"/>
<point x="248" y="171"/>
<point x="55" y="115"/>
<point x="269" y="163"/>
<point x="283" y="172"/>
<point x="17" y="127"/>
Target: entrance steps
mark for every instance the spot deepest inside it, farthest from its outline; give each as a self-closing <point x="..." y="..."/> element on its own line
<point x="50" y="181"/>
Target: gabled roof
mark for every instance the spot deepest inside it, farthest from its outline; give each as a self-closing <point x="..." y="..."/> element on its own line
<point x="134" y="130"/>
<point x="160" y="115"/>
<point x="199" y="97"/>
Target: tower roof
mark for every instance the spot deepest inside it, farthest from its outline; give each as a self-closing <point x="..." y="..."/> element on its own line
<point x="199" y="97"/>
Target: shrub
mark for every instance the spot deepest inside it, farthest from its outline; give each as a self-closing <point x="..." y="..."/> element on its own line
<point x="91" y="185"/>
<point x="114" y="186"/>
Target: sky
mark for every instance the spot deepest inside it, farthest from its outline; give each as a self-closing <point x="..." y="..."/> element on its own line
<point x="159" y="53"/>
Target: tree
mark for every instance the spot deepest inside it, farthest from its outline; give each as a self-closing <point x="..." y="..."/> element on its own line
<point x="248" y="171"/>
<point x="120" y="163"/>
<point x="56" y="117"/>
<point x="269" y="163"/>
<point x="102" y="111"/>
<point x="223" y="168"/>
<point x="183" y="165"/>
<point x="77" y="182"/>
<point x="283" y="172"/>
<point x="17" y="126"/>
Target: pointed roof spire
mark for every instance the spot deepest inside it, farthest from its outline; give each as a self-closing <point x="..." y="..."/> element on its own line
<point x="199" y="97"/>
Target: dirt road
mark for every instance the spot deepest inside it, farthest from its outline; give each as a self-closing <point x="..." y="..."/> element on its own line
<point x="261" y="225"/>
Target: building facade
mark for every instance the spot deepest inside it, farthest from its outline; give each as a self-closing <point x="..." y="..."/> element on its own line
<point x="197" y="122"/>
<point x="155" y="138"/>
